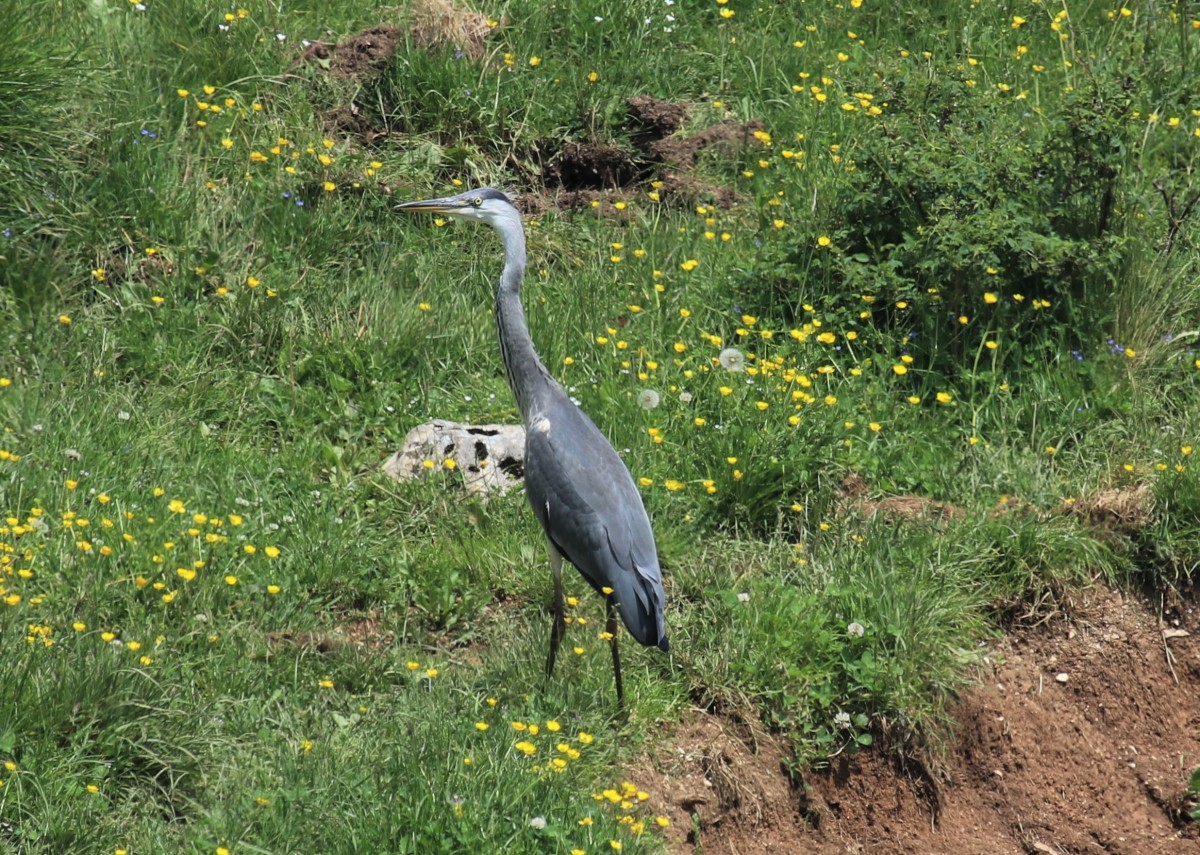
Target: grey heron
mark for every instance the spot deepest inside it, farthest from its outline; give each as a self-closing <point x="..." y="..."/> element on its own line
<point x="579" y="488"/>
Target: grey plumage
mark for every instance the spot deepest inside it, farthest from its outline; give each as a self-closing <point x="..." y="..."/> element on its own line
<point x="577" y="485"/>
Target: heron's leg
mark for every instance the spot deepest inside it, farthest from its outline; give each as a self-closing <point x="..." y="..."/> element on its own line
<point x="611" y="629"/>
<point x="559" y="627"/>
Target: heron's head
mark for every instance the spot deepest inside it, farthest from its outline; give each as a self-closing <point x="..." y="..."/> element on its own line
<point x="490" y="206"/>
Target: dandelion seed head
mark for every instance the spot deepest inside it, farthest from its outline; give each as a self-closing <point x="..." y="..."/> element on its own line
<point x="732" y="359"/>
<point x="648" y="399"/>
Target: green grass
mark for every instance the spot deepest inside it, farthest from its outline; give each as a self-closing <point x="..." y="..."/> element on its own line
<point x="219" y="617"/>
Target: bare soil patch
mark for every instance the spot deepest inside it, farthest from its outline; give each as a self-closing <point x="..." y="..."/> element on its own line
<point x="365" y="52"/>
<point x="594" y="166"/>
<point x="1079" y="738"/>
<point x="852" y="496"/>
<point x="363" y="633"/>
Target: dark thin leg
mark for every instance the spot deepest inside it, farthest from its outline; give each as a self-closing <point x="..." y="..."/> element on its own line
<point x="612" y="630"/>
<point x="559" y="628"/>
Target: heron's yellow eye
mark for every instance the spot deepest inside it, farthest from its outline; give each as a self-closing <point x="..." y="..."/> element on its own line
<point x="477" y="201"/>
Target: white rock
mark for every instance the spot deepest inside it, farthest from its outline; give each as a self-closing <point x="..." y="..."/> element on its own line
<point x="489" y="458"/>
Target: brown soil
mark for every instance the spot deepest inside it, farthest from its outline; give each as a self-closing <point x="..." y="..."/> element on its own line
<point x="362" y="633"/>
<point x="591" y="166"/>
<point x="363" y="53"/>
<point x="581" y="173"/>
<point x="727" y="137"/>
<point x="653" y="119"/>
<point x="851" y="496"/>
<point x="1079" y="738"/>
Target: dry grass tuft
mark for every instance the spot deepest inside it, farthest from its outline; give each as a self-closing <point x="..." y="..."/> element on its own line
<point x="443" y="23"/>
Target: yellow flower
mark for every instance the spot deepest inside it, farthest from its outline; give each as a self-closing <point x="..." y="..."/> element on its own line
<point x="273" y="589"/>
<point x="271" y="551"/>
<point x="990" y="298"/>
<point x="689" y="265"/>
<point x="823" y="240"/>
<point x="944" y="397"/>
<point x="535" y="61"/>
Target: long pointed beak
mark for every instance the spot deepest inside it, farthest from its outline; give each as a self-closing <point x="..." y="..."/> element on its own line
<point x="435" y="206"/>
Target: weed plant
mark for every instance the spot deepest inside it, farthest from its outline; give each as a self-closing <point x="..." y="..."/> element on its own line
<point x="960" y="270"/>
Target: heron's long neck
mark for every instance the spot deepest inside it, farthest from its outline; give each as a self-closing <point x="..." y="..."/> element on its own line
<point x="527" y="376"/>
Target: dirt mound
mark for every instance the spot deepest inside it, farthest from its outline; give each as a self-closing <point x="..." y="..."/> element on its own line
<point x="660" y="158"/>
<point x="653" y="119"/>
<point x="363" y="53"/>
<point x="728" y="137"/>
<point x="1079" y="738"/>
<point x="591" y="166"/>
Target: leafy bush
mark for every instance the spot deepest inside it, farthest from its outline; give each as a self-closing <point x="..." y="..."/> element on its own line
<point x="964" y="207"/>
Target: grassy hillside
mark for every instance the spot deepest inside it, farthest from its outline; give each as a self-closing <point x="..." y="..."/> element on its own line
<point x="898" y="331"/>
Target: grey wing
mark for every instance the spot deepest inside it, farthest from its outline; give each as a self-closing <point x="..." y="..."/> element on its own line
<point x="585" y="498"/>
